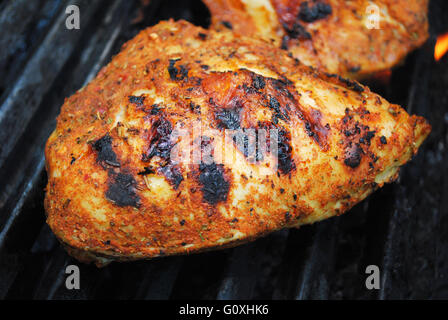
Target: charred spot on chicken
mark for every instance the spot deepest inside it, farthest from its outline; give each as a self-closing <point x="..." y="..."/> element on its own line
<point x="121" y="190"/>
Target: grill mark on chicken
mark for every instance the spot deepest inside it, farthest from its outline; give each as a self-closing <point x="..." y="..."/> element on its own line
<point x="202" y="36"/>
<point x="121" y="186"/>
<point x="353" y="155"/>
<point x="279" y="95"/>
<point x="349" y="84"/>
<point x="105" y="153"/>
<point x="195" y="108"/>
<point x="288" y="16"/>
<point x="278" y="111"/>
<point x="160" y="145"/>
<point x="251" y="151"/>
<point x="313" y="12"/>
<point x="286" y="94"/>
<point x="150" y="110"/>
<point x="296" y="31"/>
<point x="258" y="82"/>
<point x="356" y="140"/>
<point x="179" y="73"/>
<point x="172" y="174"/>
<point x="147" y="170"/>
<point x="159" y="140"/>
<point x="215" y="187"/>
<point x="155" y="109"/>
<point x="228" y="118"/>
<point x="226" y="106"/>
<point x="367" y="137"/>
<point x="353" y="85"/>
<point x="316" y="130"/>
<point x="266" y="91"/>
<point x="285" y="162"/>
<point x="284" y="157"/>
<point x="138" y="101"/>
<point x="121" y="190"/>
<point x="227" y="24"/>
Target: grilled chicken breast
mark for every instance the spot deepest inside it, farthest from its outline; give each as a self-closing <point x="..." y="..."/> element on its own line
<point x="123" y="186"/>
<point x="342" y="37"/>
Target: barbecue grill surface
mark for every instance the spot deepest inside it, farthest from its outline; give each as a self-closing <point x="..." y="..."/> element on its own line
<point x="402" y="228"/>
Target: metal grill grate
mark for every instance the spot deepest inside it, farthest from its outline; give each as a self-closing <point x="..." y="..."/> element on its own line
<point x="403" y="227"/>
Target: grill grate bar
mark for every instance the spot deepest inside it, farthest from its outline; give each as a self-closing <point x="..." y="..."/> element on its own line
<point x="297" y="250"/>
<point x="20" y="40"/>
<point x="39" y="73"/>
<point x="249" y="265"/>
<point x="23" y="197"/>
<point x="158" y="282"/>
<point x="315" y="278"/>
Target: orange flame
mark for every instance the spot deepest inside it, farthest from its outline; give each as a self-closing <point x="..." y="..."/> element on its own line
<point x="441" y="46"/>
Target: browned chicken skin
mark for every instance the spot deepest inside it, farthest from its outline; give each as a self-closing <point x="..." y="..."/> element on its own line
<point x="117" y="191"/>
<point x="331" y="35"/>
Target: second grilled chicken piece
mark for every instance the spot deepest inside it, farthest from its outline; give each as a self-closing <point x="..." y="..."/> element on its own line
<point x="341" y="37"/>
<point x="121" y="187"/>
